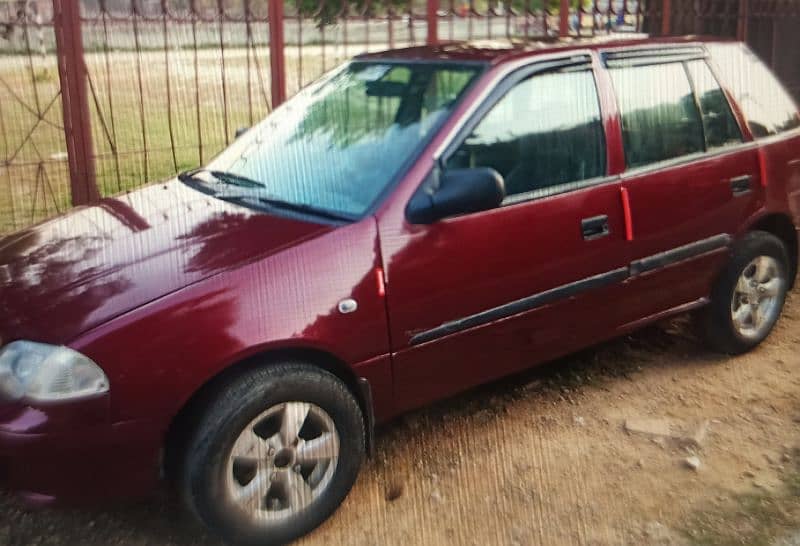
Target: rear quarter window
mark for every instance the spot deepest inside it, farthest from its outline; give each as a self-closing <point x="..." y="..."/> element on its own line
<point x="719" y="125"/>
<point x="766" y="105"/>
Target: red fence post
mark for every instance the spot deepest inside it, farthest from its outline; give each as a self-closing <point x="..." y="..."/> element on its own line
<point x="75" y="101"/>
<point x="277" y="60"/>
<point x="563" y="19"/>
<point x="741" y="29"/>
<point x="433" y="22"/>
<point x="666" y="17"/>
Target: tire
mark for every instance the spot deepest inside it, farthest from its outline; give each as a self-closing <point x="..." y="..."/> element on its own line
<point x="266" y="433"/>
<point x="743" y="310"/>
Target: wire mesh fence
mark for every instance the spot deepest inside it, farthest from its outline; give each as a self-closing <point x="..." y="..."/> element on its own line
<point x="154" y="87"/>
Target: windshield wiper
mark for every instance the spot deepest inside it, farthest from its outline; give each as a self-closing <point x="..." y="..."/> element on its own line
<point x="191" y="179"/>
<point x="230" y="179"/>
<point x="188" y="176"/>
<point x="303" y="207"/>
<point x="270" y="202"/>
<point x="233" y="179"/>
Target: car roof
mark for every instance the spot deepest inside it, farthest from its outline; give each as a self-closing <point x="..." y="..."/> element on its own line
<point x="501" y="51"/>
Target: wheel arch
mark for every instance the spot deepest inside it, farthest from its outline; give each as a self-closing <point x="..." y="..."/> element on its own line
<point x="781" y="226"/>
<point x="178" y="433"/>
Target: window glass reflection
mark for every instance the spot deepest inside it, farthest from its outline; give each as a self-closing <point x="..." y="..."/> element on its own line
<point x="338" y="144"/>
<point x="543" y="135"/>
<point x="719" y="125"/>
<point x="766" y="105"/>
<point x="659" y="117"/>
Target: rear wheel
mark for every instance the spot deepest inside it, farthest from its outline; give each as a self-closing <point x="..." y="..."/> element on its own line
<point x="274" y="455"/>
<point x="747" y="299"/>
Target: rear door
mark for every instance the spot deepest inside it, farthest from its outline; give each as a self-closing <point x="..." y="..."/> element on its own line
<point x="691" y="179"/>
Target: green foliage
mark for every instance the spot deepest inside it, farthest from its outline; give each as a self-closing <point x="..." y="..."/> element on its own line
<point x="759" y="517"/>
<point x="550" y="5"/>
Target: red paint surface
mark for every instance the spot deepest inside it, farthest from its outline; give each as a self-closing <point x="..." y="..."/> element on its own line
<point x="626" y="213"/>
<point x="563" y="18"/>
<point x="432" y="18"/>
<point x="379" y="280"/>
<point x="666" y="17"/>
<point x="165" y="288"/>
<point x="615" y="153"/>
<point x="73" y="78"/>
<point x="277" y="59"/>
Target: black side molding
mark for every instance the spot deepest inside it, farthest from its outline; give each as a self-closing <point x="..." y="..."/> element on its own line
<point x="522" y="305"/>
<point x="679" y="254"/>
<point x="528" y="303"/>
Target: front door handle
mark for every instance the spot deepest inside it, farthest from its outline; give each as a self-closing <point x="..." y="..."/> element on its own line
<point x="595" y="227"/>
<point x="741" y="185"/>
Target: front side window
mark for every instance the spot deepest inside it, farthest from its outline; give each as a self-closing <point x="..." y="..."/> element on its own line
<point x="719" y="125"/>
<point x="660" y="120"/>
<point x="544" y="136"/>
<point x="336" y="145"/>
<point x="766" y="105"/>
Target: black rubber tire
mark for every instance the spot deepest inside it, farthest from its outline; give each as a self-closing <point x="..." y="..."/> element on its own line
<point x="718" y="328"/>
<point x="237" y="404"/>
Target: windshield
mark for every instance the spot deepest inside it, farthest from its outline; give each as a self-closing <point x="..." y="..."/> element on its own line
<point x="337" y="144"/>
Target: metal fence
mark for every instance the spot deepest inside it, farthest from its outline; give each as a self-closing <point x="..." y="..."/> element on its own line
<point x="101" y="96"/>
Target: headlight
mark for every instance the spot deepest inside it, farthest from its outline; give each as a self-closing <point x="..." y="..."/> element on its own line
<point x="47" y="373"/>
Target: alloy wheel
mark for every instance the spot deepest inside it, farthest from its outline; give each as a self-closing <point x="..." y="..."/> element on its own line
<point x="757" y="296"/>
<point x="282" y="461"/>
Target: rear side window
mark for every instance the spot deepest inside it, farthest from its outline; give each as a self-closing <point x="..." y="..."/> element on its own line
<point x="766" y="105"/>
<point x="659" y="116"/>
<point x="544" y="136"/>
<point x="719" y="125"/>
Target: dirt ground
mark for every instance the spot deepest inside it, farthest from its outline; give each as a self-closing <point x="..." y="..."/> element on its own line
<point x="546" y="458"/>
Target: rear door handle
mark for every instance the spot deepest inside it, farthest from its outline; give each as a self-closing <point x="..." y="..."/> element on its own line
<point x="595" y="227"/>
<point x="741" y="185"/>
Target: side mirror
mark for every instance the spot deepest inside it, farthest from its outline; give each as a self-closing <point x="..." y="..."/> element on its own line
<point x="459" y="191"/>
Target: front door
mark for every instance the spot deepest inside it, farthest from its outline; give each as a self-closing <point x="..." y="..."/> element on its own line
<point x="474" y="297"/>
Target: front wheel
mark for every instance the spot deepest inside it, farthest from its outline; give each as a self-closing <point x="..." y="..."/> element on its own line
<point x="747" y="299"/>
<point x="274" y="455"/>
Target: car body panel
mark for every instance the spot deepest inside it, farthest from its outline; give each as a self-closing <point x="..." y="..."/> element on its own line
<point x="56" y="454"/>
<point x="683" y="204"/>
<point x="781" y="167"/>
<point x="197" y="332"/>
<point x="70" y="274"/>
<point x="434" y="278"/>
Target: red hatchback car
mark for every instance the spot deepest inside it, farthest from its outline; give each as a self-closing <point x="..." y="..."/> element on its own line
<point x="415" y="223"/>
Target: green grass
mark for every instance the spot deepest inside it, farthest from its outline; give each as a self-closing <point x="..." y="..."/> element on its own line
<point x="757" y="518"/>
<point x="34" y="176"/>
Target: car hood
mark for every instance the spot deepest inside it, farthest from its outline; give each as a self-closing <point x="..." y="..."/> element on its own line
<point x="63" y="277"/>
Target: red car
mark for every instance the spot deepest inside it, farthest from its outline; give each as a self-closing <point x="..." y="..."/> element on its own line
<point x="415" y="223"/>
